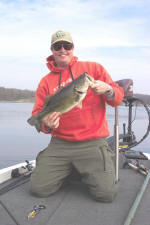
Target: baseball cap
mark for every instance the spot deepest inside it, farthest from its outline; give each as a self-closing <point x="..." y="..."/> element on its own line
<point x="61" y="36"/>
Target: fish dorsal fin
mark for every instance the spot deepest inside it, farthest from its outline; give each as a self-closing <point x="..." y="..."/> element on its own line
<point x="47" y="100"/>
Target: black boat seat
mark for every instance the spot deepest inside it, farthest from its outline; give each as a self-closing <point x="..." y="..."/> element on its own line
<point x="126" y="85"/>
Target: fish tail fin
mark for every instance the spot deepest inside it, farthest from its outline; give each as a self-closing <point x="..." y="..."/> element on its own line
<point x="34" y="121"/>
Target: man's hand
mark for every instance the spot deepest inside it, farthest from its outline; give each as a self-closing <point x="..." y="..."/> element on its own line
<point x="100" y="87"/>
<point x="52" y="120"/>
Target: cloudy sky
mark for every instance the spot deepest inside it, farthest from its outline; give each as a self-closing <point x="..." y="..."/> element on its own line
<point x="115" y="33"/>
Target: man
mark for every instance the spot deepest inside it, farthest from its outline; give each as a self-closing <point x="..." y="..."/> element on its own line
<point x="78" y="136"/>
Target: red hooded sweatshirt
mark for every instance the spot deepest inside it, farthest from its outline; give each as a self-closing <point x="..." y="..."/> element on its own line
<point x="86" y="123"/>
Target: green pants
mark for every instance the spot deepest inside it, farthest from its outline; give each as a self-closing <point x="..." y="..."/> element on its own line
<point x="92" y="159"/>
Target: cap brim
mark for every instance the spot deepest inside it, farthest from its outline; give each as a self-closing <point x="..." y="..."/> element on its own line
<point x="63" y="39"/>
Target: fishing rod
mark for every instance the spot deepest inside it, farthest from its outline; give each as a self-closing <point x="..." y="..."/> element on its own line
<point x="116" y="134"/>
<point x="137" y="201"/>
<point x="126" y="85"/>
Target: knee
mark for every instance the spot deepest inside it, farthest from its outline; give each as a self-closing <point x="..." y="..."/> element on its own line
<point x="106" y="197"/>
<point x="106" y="194"/>
<point x="43" y="192"/>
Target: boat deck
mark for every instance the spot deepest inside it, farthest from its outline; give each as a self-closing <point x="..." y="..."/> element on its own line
<point x="72" y="205"/>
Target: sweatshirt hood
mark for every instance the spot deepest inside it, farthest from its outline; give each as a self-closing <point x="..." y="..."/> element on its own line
<point x="51" y="66"/>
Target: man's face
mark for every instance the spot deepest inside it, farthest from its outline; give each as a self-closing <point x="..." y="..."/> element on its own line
<point x="63" y="53"/>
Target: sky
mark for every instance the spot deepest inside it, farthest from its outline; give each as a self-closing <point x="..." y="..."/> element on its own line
<point x="114" y="33"/>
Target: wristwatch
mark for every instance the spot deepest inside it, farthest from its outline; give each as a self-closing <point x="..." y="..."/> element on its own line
<point x="109" y="92"/>
<point x="109" y="89"/>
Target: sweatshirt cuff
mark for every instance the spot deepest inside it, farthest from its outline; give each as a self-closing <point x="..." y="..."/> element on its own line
<point x="110" y="95"/>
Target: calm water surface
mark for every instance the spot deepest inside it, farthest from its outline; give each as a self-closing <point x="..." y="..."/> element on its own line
<point x="19" y="141"/>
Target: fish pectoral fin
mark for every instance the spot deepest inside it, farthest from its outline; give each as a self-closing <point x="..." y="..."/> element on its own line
<point x="79" y="105"/>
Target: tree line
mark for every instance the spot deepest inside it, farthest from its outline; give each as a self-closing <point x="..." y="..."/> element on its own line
<point x="13" y="94"/>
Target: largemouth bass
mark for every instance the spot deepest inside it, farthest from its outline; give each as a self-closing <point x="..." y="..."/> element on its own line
<point x="65" y="100"/>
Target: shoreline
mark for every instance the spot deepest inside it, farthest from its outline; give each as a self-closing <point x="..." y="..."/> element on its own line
<point x="18" y="101"/>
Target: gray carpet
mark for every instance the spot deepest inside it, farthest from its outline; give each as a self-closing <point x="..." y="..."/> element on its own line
<point x="72" y="205"/>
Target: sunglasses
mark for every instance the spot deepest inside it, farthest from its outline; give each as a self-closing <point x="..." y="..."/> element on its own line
<point x="66" y="46"/>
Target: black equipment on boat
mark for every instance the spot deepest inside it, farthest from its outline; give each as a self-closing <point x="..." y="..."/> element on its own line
<point x="128" y="138"/>
<point x="20" y="176"/>
<point x="24" y="170"/>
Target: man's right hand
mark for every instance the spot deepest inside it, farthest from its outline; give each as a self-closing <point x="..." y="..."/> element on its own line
<point x="52" y="120"/>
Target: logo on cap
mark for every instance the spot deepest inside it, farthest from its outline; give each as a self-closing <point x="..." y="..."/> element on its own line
<point x="60" y="34"/>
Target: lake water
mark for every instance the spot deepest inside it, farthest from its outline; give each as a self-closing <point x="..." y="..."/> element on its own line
<point x="19" y="141"/>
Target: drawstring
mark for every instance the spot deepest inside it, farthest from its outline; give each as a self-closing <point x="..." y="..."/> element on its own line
<point x="71" y="73"/>
<point x="59" y="80"/>
<point x="61" y="76"/>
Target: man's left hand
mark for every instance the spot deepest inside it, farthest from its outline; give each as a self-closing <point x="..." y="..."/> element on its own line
<point x="100" y="87"/>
